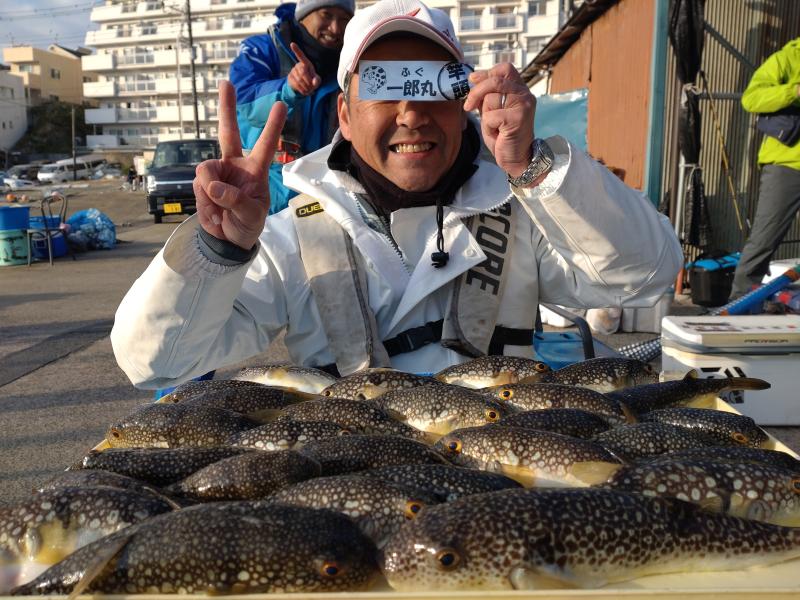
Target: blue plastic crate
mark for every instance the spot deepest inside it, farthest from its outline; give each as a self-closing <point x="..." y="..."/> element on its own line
<point x="14" y="217"/>
<point x="39" y="246"/>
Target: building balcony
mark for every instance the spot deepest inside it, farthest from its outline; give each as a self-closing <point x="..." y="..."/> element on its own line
<point x="100" y="116"/>
<point x="98" y="62"/>
<point x="136" y="88"/>
<point x="167" y="58"/>
<point x="170" y="114"/>
<point x="170" y="86"/>
<point x="102" y="141"/>
<point x="99" y="89"/>
<point x="498" y="23"/>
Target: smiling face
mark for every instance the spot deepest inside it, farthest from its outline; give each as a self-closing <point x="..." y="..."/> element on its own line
<point x="412" y="144"/>
<point x="327" y="25"/>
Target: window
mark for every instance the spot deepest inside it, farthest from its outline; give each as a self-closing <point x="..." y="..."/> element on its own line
<point x="129" y="7"/>
<point x="535" y="44"/>
<point x="55" y="74"/>
<point x="148" y="30"/>
<point x="26" y="67"/>
<point x="537" y="8"/>
<point x="153" y="6"/>
<point x="4" y="124"/>
<point x="241" y="21"/>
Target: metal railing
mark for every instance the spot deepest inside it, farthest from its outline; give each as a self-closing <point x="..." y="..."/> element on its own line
<point x="505" y="21"/>
<point x="137" y="86"/>
<point x="136" y="59"/>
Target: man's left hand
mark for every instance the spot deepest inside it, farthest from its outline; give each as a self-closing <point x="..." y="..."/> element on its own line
<point x="506" y="106"/>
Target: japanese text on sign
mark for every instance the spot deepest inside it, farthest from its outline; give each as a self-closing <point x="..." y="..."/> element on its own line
<point x="423" y="80"/>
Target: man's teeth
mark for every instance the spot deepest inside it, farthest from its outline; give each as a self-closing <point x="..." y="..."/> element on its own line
<point x="402" y="148"/>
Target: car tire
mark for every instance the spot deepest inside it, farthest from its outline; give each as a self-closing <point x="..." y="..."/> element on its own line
<point x="157" y="218"/>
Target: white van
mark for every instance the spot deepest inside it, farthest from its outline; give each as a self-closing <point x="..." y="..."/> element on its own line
<point x="61" y="171"/>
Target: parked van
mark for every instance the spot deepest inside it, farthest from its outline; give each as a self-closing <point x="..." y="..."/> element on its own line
<point x="62" y="170"/>
<point x="21" y="177"/>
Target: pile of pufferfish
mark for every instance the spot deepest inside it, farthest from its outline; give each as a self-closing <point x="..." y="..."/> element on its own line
<point x="493" y="474"/>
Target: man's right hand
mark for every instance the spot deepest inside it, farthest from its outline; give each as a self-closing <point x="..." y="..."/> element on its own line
<point x="303" y="77"/>
<point x="232" y="193"/>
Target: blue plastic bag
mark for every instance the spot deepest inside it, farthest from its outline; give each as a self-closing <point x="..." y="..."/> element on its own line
<point x="92" y="228"/>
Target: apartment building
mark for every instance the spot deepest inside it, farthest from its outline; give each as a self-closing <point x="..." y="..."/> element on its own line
<point x="13" y="115"/>
<point x="142" y="63"/>
<point x="52" y="74"/>
<point x="142" y="59"/>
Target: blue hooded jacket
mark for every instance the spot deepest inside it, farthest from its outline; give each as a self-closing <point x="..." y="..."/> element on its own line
<point x="259" y="75"/>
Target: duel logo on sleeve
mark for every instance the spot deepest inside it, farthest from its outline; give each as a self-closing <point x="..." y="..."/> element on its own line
<point x="422" y="80"/>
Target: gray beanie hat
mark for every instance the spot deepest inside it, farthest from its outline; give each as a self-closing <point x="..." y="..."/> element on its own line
<point x="304" y="7"/>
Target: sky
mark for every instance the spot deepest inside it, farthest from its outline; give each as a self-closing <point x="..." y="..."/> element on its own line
<point x="40" y="23"/>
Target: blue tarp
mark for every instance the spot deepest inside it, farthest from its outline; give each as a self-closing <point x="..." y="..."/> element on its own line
<point x="92" y="230"/>
<point x="563" y="114"/>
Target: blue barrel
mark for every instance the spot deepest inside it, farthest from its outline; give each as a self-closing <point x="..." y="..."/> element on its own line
<point x="14" y="220"/>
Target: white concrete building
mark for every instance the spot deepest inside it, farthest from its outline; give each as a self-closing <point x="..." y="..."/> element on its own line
<point x="13" y="114"/>
<point x="142" y="45"/>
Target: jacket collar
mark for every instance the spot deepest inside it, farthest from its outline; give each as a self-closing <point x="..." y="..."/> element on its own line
<point x="311" y="175"/>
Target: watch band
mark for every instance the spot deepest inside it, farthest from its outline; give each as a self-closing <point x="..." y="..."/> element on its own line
<point x="541" y="162"/>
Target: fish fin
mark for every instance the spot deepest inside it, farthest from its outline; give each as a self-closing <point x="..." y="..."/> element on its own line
<point x="716" y="503"/>
<point x="704" y="401"/>
<point x="395" y="414"/>
<point x="630" y="416"/>
<point x="522" y="475"/>
<point x="104" y="555"/>
<point x="546" y="577"/>
<point x="265" y="415"/>
<point x="593" y="472"/>
<point x="298" y="396"/>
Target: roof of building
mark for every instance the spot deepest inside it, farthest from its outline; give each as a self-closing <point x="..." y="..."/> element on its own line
<point x="585" y="15"/>
<point x="77" y="52"/>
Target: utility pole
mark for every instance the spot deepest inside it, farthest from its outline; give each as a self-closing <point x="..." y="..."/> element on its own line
<point x="74" y="150"/>
<point x="194" y="82"/>
<point x="178" y="68"/>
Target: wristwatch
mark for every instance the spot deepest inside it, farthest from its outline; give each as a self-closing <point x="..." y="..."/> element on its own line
<point x="540" y="163"/>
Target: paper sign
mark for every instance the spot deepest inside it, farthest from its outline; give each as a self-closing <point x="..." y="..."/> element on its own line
<point x="420" y="81"/>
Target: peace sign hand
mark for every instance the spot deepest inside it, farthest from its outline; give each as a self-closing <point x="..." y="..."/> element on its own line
<point x="232" y="193"/>
<point x="303" y="78"/>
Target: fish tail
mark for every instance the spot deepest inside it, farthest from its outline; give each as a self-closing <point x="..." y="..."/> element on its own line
<point x="742" y="383"/>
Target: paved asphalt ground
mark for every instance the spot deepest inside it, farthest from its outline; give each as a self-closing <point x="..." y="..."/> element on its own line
<point x="60" y="386"/>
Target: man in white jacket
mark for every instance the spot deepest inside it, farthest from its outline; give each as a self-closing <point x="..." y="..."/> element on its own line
<point x="404" y="249"/>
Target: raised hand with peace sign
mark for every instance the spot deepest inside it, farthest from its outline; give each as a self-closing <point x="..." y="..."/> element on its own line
<point x="303" y="77"/>
<point x="233" y="192"/>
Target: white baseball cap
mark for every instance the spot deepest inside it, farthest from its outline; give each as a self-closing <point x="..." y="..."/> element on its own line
<point x="390" y="16"/>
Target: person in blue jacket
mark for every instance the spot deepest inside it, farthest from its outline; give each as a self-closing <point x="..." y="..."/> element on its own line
<point x="294" y="62"/>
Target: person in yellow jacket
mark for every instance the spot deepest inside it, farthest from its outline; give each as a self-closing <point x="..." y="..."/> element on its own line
<point x="775" y="86"/>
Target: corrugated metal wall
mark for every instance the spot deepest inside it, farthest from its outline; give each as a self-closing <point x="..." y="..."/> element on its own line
<point x="618" y="105"/>
<point x="756" y="28"/>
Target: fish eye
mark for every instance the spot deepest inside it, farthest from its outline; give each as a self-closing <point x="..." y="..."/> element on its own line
<point x="447" y="559"/>
<point x="327" y="393"/>
<point x="115" y="433"/>
<point x="796" y="484"/>
<point x="361" y="396"/>
<point x="740" y="438"/>
<point x="344" y="432"/>
<point x="507" y="394"/>
<point x="330" y="569"/>
<point x="491" y="415"/>
<point x="541" y="367"/>
<point x="454" y="446"/>
<point x="412" y="509"/>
